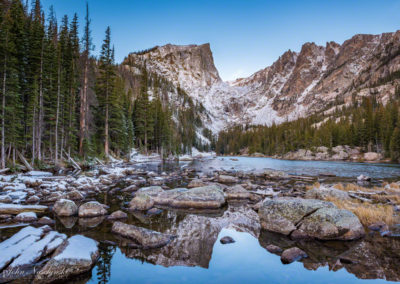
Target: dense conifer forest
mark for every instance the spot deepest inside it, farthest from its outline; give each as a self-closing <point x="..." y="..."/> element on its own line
<point x="60" y="101"/>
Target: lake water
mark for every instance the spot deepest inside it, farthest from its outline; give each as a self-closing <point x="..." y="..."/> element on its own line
<point x="312" y="168"/>
<point x="244" y="261"/>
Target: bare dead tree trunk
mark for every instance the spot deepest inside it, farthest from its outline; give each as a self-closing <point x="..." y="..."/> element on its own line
<point x="82" y="121"/>
<point x="3" y="107"/>
<point x="34" y="133"/>
<point x="41" y="109"/>
<point x="106" y="143"/>
<point x="57" y="112"/>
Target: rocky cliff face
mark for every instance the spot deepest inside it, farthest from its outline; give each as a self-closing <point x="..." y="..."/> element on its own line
<point x="190" y="66"/>
<point x="318" y="78"/>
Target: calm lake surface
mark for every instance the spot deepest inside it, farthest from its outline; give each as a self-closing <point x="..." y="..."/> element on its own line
<point x="311" y="168"/>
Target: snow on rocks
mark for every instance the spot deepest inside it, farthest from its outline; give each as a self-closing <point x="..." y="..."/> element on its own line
<point x="196" y="154"/>
<point x="17" y="244"/>
<point x="38" y="174"/>
<point x="136" y="157"/>
<point x="23" y="264"/>
<point x="5" y="199"/>
<point x="76" y="255"/>
<point x="363" y="178"/>
<point x="15" y="209"/>
<point x="26" y="217"/>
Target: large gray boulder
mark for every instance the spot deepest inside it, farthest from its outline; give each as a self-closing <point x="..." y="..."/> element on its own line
<point x="92" y="209"/>
<point x="309" y="217"/>
<point x="65" y="208"/>
<point x="324" y="192"/>
<point x="75" y="256"/>
<point x="145" y="237"/>
<point x="206" y="197"/>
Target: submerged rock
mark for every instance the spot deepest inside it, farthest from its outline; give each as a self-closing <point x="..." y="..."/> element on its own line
<point x="76" y="255"/>
<point x="117" y="215"/>
<point x="145" y="237"/>
<point x="292" y="254"/>
<point x="65" y="208"/>
<point x="313" y="218"/>
<point x="226" y="240"/>
<point x="92" y="209"/>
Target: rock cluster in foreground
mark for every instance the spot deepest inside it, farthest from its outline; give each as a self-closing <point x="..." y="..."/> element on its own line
<point x="309" y="218"/>
<point x="23" y="253"/>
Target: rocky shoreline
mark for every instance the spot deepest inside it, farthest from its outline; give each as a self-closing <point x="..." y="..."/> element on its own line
<point x="300" y="213"/>
<point x="322" y="153"/>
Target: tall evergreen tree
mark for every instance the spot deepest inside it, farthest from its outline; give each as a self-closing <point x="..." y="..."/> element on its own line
<point x="105" y="87"/>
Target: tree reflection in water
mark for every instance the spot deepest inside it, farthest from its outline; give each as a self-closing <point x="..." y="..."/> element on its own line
<point x="104" y="263"/>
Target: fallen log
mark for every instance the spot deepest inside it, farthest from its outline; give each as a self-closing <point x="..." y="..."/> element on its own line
<point x="2" y="171"/>
<point x="74" y="164"/>
<point x="23" y="160"/>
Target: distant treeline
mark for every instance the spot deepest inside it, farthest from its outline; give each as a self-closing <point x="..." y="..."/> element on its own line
<point x="367" y="124"/>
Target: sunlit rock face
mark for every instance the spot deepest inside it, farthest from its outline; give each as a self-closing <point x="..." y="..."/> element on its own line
<point x="297" y="84"/>
<point x="196" y="235"/>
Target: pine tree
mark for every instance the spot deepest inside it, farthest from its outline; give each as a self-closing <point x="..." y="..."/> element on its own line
<point x="143" y="119"/>
<point x="395" y="145"/>
<point x="104" y="87"/>
<point x="84" y="104"/>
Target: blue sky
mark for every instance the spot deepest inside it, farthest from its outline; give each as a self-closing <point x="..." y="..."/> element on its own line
<point x="245" y="35"/>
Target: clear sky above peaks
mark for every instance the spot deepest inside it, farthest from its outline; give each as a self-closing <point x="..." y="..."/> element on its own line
<point x="245" y="35"/>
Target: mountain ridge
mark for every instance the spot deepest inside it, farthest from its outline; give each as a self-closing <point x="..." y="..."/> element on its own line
<point x="296" y="85"/>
